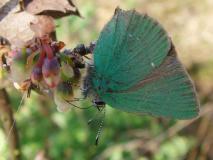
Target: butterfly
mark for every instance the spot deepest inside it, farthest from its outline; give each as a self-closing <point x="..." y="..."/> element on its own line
<point x="136" y="69"/>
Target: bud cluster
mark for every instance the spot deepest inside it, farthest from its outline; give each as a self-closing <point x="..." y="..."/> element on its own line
<point x="42" y="66"/>
<point x="37" y="61"/>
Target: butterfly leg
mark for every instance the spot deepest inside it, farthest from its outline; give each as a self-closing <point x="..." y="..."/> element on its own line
<point x="101" y="112"/>
<point x="97" y="114"/>
<point x="100" y="128"/>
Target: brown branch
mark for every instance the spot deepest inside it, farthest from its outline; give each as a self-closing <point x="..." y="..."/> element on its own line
<point x="6" y="116"/>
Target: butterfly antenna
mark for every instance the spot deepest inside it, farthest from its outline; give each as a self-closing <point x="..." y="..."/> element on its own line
<point x="79" y="99"/>
<point x="100" y="128"/>
<point x="87" y="57"/>
<point x="77" y="106"/>
<point x="14" y="121"/>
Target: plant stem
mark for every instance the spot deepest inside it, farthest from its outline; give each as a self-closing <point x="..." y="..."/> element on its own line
<point x="6" y="116"/>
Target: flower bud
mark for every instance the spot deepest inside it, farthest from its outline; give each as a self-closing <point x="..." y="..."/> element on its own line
<point x="36" y="75"/>
<point x="51" y="72"/>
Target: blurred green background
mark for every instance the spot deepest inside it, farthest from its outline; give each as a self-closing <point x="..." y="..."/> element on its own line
<point x="46" y="134"/>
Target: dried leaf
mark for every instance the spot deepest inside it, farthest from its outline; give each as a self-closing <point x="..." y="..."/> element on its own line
<point x="43" y="25"/>
<point x="53" y="8"/>
<point x="19" y="27"/>
<point x="16" y="26"/>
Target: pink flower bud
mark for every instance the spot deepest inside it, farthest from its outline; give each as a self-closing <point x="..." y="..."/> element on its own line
<point x="36" y="75"/>
<point x="51" y="72"/>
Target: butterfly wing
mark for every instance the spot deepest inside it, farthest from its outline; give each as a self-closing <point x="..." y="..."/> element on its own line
<point x="167" y="91"/>
<point x="128" y="48"/>
<point x="136" y="69"/>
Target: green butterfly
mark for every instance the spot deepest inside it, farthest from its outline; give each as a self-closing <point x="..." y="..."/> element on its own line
<point x="136" y="69"/>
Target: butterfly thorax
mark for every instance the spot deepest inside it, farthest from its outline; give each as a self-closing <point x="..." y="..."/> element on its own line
<point x="92" y="88"/>
<point x="88" y="87"/>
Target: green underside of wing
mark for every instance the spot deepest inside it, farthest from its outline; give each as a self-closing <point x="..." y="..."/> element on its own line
<point x="128" y="48"/>
<point x="171" y="94"/>
<point x="136" y="69"/>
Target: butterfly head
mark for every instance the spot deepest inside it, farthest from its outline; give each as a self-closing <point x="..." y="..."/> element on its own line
<point x="98" y="103"/>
